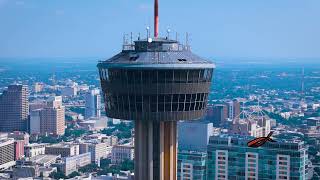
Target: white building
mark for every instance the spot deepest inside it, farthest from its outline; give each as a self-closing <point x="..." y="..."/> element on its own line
<point x="93" y="104"/>
<point x="73" y="163"/>
<point x="35" y="149"/>
<point x="94" y="124"/>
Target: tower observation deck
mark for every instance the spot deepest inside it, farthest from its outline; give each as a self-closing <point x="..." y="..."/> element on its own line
<point x="155" y="82"/>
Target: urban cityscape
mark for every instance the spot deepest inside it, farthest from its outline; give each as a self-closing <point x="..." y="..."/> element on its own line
<point x="155" y="110"/>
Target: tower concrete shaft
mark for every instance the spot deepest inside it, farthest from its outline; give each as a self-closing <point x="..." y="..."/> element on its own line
<point x="155" y="150"/>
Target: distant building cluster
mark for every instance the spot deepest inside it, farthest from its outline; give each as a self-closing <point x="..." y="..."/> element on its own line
<point x="213" y="148"/>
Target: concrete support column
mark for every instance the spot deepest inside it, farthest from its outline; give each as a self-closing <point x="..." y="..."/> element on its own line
<point x="169" y="149"/>
<point x="155" y="150"/>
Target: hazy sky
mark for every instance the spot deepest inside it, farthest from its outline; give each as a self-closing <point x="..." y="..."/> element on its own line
<point x="218" y="28"/>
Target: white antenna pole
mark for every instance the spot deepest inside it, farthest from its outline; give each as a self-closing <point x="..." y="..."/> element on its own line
<point x="148" y="28"/>
<point x="168" y="33"/>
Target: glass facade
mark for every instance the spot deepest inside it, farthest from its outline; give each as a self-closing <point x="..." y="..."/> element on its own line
<point x="276" y="160"/>
<point x="133" y="93"/>
<point x="191" y="165"/>
<point x="131" y="76"/>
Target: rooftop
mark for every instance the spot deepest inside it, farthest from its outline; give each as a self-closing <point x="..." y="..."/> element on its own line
<point x="156" y="53"/>
<point x="43" y="159"/>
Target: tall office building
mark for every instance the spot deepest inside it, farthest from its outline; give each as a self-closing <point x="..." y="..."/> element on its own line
<point x="93" y="104"/>
<point x="14" y="108"/>
<point x="35" y="121"/>
<point x="217" y="114"/>
<point x="229" y="157"/>
<point x="192" y="165"/>
<point x="233" y="108"/>
<point x="52" y="119"/>
<point x="156" y="82"/>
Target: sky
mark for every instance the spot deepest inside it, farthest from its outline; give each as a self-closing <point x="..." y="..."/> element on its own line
<point x="275" y="29"/>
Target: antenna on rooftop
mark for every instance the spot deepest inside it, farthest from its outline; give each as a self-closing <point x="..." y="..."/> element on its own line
<point x="156" y="18"/>
<point x="187" y="40"/>
<point x="168" y="33"/>
<point x="148" y="28"/>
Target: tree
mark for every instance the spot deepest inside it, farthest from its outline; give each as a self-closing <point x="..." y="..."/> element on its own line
<point x="127" y="165"/>
<point x="57" y="175"/>
<point x="105" y="163"/>
<point x="108" y="131"/>
<point x="89" y="168"/>
<point x="74" y="174"/>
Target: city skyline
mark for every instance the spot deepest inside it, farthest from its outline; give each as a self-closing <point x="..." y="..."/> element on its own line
<point x="80" y="99"/>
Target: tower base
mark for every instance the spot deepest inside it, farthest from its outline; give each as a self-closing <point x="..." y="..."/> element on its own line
<point x="155" y="150"/>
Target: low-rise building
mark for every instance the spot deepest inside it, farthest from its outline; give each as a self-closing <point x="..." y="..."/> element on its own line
<point x="34" y="149"/>
<point x="6" y="153"/>
<point x="63" y="149"/>
<point x="110" y="140"/>
<point x="97" y="149"/>
<point x="18" y="135"/>
<point x="94" y="124"/>
<point x="121" y="153"/>
<point x="71" y="164"/>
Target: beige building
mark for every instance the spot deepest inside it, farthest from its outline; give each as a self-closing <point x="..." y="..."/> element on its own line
<point x="110" y="140"/>
<point x="97" y="149"/>
<point x="52" y="119"/>
<point x="63" y="149"/>
<point x="121" y="153"/>
<point x="14" y="108"/>
<point x="38" y="87"/>
<point x="6" y="153"/>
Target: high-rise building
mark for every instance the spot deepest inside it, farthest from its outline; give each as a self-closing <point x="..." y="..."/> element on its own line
<point x="156" y="82"/>
<point x="229" y="157"/>
<point x="14" y="108"/>
<point x="52" y="119"/>
<point x="233" y="109"/>
<point x="194" y="136"/>
<point x="93" y="104"/>
<point x="35" y="121"/>
<point x="217" y="114"/>
<point x="192" y="165"/>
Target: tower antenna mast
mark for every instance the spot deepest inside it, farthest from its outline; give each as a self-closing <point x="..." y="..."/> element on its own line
<point x="156" y="18"/>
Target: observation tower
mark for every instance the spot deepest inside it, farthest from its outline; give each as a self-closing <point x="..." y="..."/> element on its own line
<point x="155" y="82"/>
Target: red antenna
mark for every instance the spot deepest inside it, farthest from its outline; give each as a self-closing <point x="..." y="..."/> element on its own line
<point x="156" y="19"/>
